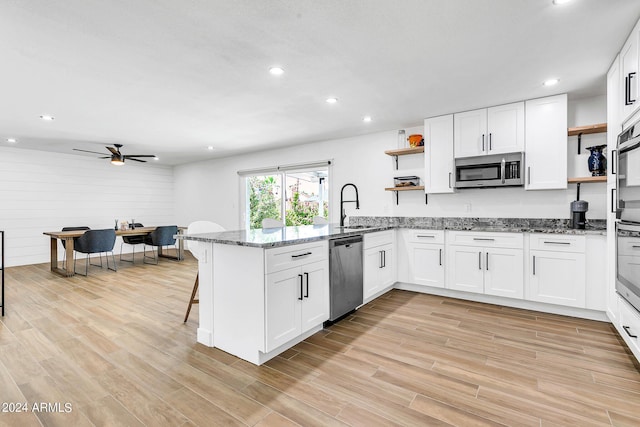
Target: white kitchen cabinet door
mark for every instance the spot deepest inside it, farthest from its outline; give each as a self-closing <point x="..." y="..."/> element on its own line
<point x="372" y="267"/>
<point x="283" y="304"/>
<point x="379" y="270"/>
<point x="546" y="143"/>
<point x="629" y="74"/>
<point x="438" y="155"/>
<point x="557" y="278"/>
<point x="614" y="106"/>
<point x="505" y="128"/>
<point x="469" y="134"/>
<point x="504" y="272"/>
<point x="464" y="267"/>
<point x="315" y="303"/>
<point x="426" y="264"/>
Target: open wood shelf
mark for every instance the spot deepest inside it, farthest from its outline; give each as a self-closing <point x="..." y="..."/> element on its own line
<point x="405" y="151"/>
<point x="587" y="179"/>
<point x="599" y="128"/>
<point x="407" y="188"/>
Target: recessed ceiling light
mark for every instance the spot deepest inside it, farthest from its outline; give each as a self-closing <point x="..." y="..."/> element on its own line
<point x="12" y="140"/>
<point x="559" y="2"/>
<point x="156" y="158"/>
<point x="47" y="117"/>
<point x="332" y="100"/>
<point x="550" y="82"/>
<point x="276" y="71"/>
<point x="366" y="119"/>
<point x="210" y="148"/>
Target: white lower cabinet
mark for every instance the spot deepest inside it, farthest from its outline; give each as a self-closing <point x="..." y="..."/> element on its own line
<point x="504" y="273"/>
<point x="557" y="269"/>
<point x="465" y="269"/>
<point x="421" y="257"/>
<point x="379" y="271"/>
<point x="628" y="326"/>
<point x="488" y="263"/>
<point x="297" y="300"/>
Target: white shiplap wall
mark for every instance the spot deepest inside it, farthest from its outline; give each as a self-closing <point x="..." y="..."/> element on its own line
<point x="41" y="191"/>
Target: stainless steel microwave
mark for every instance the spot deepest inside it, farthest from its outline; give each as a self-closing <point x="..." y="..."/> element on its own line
<point x="494" y="170"/>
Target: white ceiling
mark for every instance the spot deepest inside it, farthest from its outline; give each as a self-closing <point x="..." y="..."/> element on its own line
<point x="171" y="77"/>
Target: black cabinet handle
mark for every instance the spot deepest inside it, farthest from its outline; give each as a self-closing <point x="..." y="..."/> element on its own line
<point x="487" y="263"/>
<point x="557" y="243"/>
<point x="384" y="259"/>
<point x="484" y="239"/>
<point x="627" y="84"/>
<point x="300" y="277"/>
<point x="534" y="265"/>
<point x="449" y="179"/>
<point x="306" y="276"/>
<point x="483" y="142"/>
<point x="380" y="263"/>
<point x="479" y="260"/>
<point x="301" y="255"/>
<point x="440" y="256"/>
<point x="614" y="161"/>
<point x="489" y="141"/>
<point x="626" y="329"/>
<point x="613" y="200"/>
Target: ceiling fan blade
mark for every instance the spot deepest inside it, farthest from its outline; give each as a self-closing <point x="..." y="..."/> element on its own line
<point x="128" y="156"/>
<point x="113" y="150"/>
<point x="105" y="157"/>
<point x="135" y="160"/>
<point x="87" y="151"/>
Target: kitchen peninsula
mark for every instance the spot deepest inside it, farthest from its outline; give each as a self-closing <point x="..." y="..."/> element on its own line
<point x="264" y="290"/>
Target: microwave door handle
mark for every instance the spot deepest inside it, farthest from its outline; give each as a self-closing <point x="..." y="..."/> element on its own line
<point x="502" y="169"/>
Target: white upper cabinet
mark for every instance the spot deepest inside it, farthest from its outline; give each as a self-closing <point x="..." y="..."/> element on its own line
<point x="505" y="125"/>
<point x="438" y="154"/>
<point x="546" y="150"/>
<point x="470" y="133"/>
<point x="491" y="130"/>
<point x="629" y="73"/>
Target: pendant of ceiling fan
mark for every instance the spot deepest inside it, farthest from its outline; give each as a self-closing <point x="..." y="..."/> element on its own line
<point x="117" y="158"/>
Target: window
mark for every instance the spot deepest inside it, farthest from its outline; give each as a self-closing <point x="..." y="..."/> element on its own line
<point x="292" y="194"/>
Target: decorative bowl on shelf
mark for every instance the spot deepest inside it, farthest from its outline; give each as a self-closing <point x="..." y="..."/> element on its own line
<point x="415" y="140"/>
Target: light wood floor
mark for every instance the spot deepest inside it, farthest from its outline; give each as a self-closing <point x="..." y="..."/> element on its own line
<point x="114" y="347"/>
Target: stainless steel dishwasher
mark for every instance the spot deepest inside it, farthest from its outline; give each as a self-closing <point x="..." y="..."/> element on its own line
<point x="345" y="267"/>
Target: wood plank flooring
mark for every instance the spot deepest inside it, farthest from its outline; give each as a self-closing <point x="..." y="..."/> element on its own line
<point x="113" y="348"/>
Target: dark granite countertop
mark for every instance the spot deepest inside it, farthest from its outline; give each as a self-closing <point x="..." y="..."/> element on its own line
<point x="274" y="237"/>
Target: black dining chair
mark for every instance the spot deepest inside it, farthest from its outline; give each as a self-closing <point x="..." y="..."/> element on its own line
<point x="64" y="242"/>
<point x="132" y="240"/>
<point x="160" y="237"/>
<point x="96" y="242"/>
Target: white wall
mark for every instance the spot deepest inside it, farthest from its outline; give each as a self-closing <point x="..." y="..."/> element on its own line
<point x="210" y="189"/>
<point x="46" y="191"/>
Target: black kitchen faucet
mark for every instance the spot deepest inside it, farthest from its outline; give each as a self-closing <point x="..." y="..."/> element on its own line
<point x="343" y="215"/>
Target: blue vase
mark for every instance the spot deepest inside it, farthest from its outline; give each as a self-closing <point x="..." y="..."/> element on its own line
<point x="597" y="162"/>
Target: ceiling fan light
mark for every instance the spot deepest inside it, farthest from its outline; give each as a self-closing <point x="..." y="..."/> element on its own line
<point x="117" y="160"/>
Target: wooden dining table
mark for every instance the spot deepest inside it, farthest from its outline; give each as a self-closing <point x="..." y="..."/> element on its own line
<point x="68" y="236"/>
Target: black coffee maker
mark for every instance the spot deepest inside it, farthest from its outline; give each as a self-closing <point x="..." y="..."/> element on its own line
<point x="578" y="212"/>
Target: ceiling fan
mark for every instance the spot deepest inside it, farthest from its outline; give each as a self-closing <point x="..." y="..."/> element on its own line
<point x="117" y="158"/>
